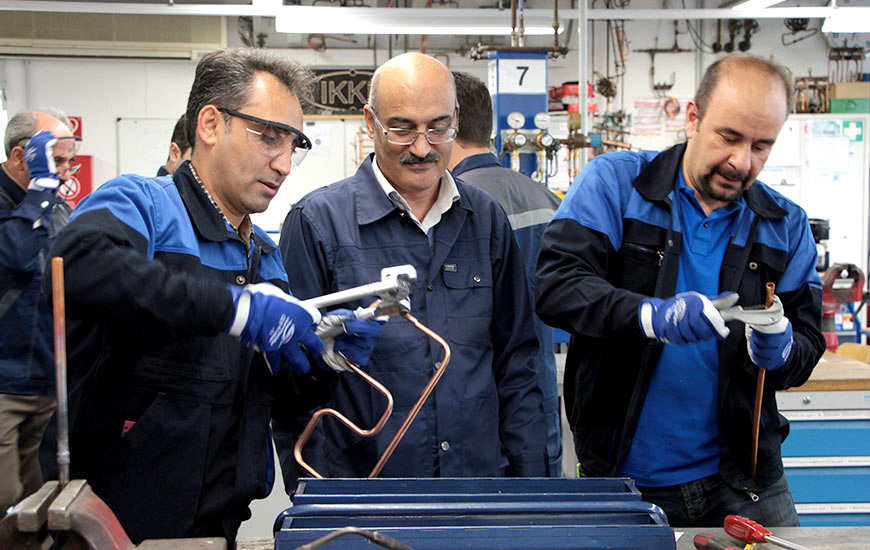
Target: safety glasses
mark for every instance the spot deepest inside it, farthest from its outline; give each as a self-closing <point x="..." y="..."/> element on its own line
<point x="274" y="138"/>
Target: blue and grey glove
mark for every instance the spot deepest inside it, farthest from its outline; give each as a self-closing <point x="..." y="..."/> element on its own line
<point x="685" y="318"/>
<point x="39" y="156"/>
<point x="345" y="335"/>
<point x="770" y="345"/>
<point x="276" y="324"/>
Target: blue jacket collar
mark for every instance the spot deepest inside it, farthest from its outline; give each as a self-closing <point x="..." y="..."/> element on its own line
<point x="203" y="214"/>
<point x="659" y="178"/>
<point x="475" y="161"/>
<point x="371" y="202"/>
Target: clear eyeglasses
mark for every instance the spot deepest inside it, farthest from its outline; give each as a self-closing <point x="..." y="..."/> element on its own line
<point x="407" y="136"/>
<point x="274" y="138"/>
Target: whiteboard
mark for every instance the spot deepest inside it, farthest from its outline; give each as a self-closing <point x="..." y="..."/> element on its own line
<point x="143" y="144"/>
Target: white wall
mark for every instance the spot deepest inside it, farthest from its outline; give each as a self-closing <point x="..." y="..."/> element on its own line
<point x="100" y="91"/>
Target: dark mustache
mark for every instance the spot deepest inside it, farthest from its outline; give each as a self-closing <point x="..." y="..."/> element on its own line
<point x="411" y="158"/>
<point x="732" y="174"/>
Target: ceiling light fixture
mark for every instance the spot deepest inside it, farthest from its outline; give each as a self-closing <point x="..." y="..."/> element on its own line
<point x="754" y="4"/>
<point x="432" y="21"/>
<point x="848" y="20"/>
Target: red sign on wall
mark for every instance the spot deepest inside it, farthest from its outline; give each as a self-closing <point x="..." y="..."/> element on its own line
<point x="76" y="123"/>
<point x="81" y="183"/>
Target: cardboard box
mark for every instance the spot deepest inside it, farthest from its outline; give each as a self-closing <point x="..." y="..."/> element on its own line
<point x="850" y="90"/>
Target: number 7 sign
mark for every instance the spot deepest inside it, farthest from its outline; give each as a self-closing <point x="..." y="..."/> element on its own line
<point x="522" y="76"/>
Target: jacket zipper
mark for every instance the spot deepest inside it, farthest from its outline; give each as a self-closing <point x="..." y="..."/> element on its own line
<point x="646" y="249"/>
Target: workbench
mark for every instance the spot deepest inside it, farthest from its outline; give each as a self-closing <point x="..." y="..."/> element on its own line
<point x="827" y="453"/>
<point x="817" y="538"/>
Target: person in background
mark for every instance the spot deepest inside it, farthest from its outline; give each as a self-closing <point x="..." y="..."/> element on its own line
<point x="403" y="206"/>
<point x="530" y="207"/>
<point x="183" y="341"/>
<point x="31" y="214"/>
<point x="644" y="251"/>
<point x="179" y="149"/>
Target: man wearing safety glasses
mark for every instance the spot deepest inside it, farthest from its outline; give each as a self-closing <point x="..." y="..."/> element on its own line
<point x="403" y="206"/>
<point x="183" y="339"/>
<point x="31" y="213"/>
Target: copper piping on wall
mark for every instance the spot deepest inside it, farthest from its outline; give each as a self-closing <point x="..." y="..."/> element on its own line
<point x="312" y="423"/>
<point x="514" y="23"/>
<point x="555" y="24"/>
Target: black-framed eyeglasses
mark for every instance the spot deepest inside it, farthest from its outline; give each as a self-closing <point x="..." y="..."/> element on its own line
<point x="407" y="136"/>
<point x="274" y="138"/>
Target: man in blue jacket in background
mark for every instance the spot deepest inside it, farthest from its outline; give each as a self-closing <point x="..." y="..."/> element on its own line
<point x="658" y="386"/>
<point x="31" y="214"/>
<point x="403" y="207"/>
<point x="530" y="207"/>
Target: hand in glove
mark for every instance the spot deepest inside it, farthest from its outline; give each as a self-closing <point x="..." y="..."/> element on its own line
<point x="769" y="346"/>
<point x="275" y="323"/>
<point x="39" y="156"/>
<point x="685" y="318"/>
<point x="344" y="334"/>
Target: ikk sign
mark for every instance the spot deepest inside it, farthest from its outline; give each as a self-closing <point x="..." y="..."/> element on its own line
<point x="341" y="92"/>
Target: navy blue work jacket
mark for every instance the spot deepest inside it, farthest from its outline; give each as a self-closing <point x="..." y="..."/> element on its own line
<point x="485" y="416"/>
<point x="29" y="220"/>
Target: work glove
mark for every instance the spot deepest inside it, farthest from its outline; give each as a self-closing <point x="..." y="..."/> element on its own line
<point x="770" y="345"/>
<point x="276" y="324"/>
<point x="39" y="156"/>
<point x="346" y="336"/>
<point x="685" y="318"/>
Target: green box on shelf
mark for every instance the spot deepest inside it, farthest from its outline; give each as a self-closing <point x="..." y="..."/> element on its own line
<point x="850" y="105"/>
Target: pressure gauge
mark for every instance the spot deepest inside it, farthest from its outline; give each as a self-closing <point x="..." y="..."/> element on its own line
<point x="546" y="139"/>
<point x="516" y="120"/>
<point x="542" y="121"/>
<point x="518" y="139"/>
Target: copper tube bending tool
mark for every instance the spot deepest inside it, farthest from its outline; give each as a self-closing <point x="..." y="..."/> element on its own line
<point x="394" y="291"/>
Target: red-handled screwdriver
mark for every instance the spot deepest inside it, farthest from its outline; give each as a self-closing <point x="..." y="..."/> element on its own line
<point x="704" y="541"/>
<point x="747" y="530"/>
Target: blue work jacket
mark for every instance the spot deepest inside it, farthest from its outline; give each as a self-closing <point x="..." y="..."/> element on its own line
<point x="29" y="221"/>
<point x="485" y="416"/>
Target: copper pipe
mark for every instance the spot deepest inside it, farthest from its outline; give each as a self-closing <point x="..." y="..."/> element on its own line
<point x="759" y="391"/>
<point x="59" y="308"/>
<point x="555" y="24"/>
<point x="419" y="404"/>
<point x="309" y="428"/>
<point x="306" y="433"/>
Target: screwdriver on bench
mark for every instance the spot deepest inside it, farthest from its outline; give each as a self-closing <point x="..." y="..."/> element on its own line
<point x="705" y="541"/>
<point x="747" y="530"/>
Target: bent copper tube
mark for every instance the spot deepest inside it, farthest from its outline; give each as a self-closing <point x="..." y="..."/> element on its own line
<point x="312" y="423"/>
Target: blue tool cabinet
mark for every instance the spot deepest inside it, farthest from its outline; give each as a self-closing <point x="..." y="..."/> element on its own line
<point x="827" y="455"/>
<point x="504" y="513"/>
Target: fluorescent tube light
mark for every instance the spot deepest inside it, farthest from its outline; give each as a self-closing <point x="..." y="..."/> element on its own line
<point x="848" y="20"/>
<point x="447" y="21"/>
<point x="754" y="4"/>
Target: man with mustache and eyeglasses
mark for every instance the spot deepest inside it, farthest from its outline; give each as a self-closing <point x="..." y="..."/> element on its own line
<point x="403" y="206"/>
<point x="183" y="340"/>
<point x="31" y="214"/>
<point x="641" y="256"/>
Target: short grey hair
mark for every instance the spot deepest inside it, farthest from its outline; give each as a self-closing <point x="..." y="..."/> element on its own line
<point x="22" y="126"/>
<point x="224" y="79"/>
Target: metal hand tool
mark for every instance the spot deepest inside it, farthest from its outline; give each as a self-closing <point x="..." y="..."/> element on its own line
<point x="704" y="541"/>
<point x="747" y="530"/>
<point x="752" y="315"/>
